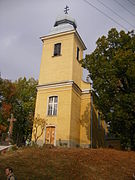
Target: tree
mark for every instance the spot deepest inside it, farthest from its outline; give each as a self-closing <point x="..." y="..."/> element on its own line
<point x="7" y="96"/>
<point x="112" y="69"/>
<point x="18" y="98"/>
<point x="24" y="107"/>
<point x="38" y="127"/>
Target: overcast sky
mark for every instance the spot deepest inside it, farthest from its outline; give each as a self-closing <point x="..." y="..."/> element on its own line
<point x="22" y="22"/>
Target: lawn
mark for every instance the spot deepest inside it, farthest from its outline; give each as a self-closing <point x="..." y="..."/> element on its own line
<point x="69" y="163"/>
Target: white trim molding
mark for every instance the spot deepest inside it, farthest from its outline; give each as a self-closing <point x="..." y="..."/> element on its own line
<point x="85" y="91"/>
<point x="64" y="84"/>
<point x="55" y="85"/>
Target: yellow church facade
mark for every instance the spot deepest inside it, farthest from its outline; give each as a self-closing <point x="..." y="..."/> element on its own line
<point x="63" y="98"/>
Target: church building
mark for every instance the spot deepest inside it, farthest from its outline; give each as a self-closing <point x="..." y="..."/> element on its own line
<point x="63" y="98"/>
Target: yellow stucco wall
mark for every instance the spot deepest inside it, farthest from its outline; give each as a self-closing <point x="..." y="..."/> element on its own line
<point x="62" y="120"/>
<point x="85" y="119"/>
<point x="57" y="68"/>
<point x="85" y="85"/>
<point x="75" y="118"/>
<point x="77" y="69"/>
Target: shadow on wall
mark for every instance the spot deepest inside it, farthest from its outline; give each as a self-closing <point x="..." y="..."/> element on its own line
<point x="98" y="131"/>
<point x="85" y="120"/>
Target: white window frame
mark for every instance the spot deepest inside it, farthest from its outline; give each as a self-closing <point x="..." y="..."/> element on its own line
<point x="52" y="104"/>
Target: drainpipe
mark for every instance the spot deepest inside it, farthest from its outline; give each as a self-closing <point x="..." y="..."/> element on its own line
<point x="91" y="117"/>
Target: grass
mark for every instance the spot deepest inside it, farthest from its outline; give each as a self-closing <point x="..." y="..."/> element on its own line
<point x="62" y="163"/>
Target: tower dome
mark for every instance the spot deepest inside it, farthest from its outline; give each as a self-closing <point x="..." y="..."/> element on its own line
<point x="65" y="19"/>
<point x="63" y="23"/>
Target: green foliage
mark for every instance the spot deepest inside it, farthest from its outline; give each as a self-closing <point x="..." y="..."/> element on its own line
<point x="18" y="98"/>
<point x="112" y="69"/>
<point x="24" y="107"/>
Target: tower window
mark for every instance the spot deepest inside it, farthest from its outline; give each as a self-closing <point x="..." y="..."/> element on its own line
<point x="57" y="49"/>
<point x="52" y="105"/>
<point x="78" y="53"/>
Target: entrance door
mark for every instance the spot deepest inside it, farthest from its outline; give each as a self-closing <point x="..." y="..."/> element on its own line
<point x="50" y="135"/>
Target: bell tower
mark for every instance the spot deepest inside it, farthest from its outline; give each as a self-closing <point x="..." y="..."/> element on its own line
<point x="62" y="96"/>
<point x="62" y="51"/>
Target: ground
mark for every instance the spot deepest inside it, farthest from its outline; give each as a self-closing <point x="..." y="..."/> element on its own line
<point x="62" y="163"/>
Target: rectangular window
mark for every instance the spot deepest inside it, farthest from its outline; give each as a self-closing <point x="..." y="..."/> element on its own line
<point x="57" y="49"/>
<point x="78" y="53"/>
<point x="52" y="105"/>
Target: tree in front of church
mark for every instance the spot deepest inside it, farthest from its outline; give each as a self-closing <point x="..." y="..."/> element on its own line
<point x="112" y="69"/>
<point x="38" y="128"/>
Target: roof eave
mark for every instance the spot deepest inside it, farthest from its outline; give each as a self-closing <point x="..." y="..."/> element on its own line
<point x="57" y="34"/>
<point x="80" y="39"/>
<point x="66" y="32"/>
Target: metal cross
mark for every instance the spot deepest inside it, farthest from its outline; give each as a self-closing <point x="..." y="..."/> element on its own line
<point x="66" y="9"/>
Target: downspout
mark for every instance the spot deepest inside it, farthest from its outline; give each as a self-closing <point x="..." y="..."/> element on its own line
<point x="91" y="117"/>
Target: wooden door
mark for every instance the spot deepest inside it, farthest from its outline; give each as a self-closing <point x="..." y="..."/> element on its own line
<point x="50" y="135"/>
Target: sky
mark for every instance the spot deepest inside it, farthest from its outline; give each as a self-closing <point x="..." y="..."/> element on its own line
<point x="23" y="22"/>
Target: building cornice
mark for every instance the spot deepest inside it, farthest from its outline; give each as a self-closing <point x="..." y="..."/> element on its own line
<point x="65" y="33"/>
<point x="63" y="84"/>
<point x="55" y="84"/>
<point x="55" y="35"/>
<point x="85" y="91"/>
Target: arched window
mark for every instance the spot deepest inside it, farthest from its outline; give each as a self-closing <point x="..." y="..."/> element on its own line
<point x="52" y="105"/>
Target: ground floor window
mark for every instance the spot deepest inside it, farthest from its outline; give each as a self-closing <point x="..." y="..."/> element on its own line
<point x="52" y="105"/>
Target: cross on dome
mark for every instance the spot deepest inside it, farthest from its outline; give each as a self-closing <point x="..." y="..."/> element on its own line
<point x="66" y="9"/>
